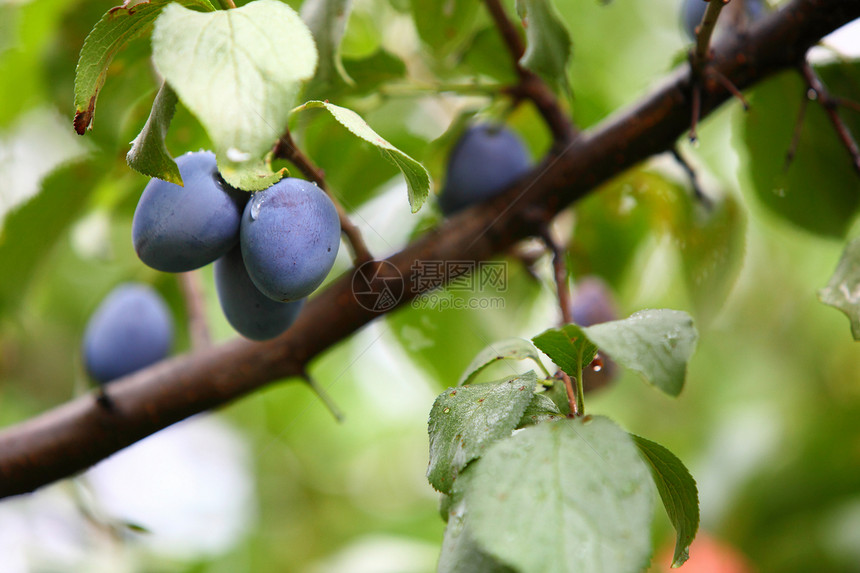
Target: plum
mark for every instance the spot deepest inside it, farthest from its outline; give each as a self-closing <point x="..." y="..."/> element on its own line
<point x="485" y="161"/>
<point x="131" y="329"/>
<point x="177" y="229"/>
<point x="250" y="312"/>
<point x="592" y="303"/>
<point x="290" y="234"/>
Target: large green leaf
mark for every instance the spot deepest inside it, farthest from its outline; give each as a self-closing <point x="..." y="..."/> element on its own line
<point x="655" y="343"/>
<point x="239" y="72"/>
<point x="570" y="495"/>
<point x="547" y="40"/>
<point x="110" y="34"/>
<point x="148" y="153"/>
<point x="465" y="420"/>
<point x="843" y="290"/>
<point x="326" y="20"/>
<point x="819" y="190"/>
<point x="29" y="232"/>
<point x="568" y="346"/>
<point x="511" y="348"/>
<point x="417" y="177"/>
<point x="444" y="26"/>
<point x="677" y="490"/>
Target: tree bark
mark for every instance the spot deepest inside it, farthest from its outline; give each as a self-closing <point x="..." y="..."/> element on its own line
<point x="75" y="435"/>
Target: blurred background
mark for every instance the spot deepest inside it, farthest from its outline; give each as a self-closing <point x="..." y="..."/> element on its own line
<point x="769" y="422"/>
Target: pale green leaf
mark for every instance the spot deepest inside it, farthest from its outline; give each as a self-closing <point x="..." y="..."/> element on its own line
<point x="417" y="177"/>
<point x="843" y="290"/>
<point x="677" y="490"/>
<point x="541" y="409"/>
<point x="568" y="346"/>
<point x="110" y="34"/>
<point x="547" y="40"/>
<point x="467" y="419"/>
<point x="326" y="20"/>
<point x="570" y="495"/>
<point x="239" y="72"/>
<point x="148" y="153"/>
<point x="655" y="343"/>
<point x="511" y="348"/>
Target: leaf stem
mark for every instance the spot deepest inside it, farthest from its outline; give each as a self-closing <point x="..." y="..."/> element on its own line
<point x="226" y="4"/>
<point x="580" y="392"/>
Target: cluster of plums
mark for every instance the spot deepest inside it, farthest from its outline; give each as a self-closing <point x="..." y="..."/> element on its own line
<point x="271" y="250"/>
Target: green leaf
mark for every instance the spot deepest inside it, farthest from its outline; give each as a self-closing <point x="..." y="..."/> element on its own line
<point x="465" y="420"/>
<point x="110" y="34"/>
<point x="512" y="348"/>
<point x="238" y="71"/>
<point x="655" y="343"/>
<point x="148" y="153"/>
<point x="30" y="232"/>
<point x="417" y="178"/>
<point x="677" y="490"/>
<point x="571" y="495"/>
<point x="326" y="20"/>
<point x="568" y="346"/>
<point x="843" y="290"/>
<point x="444" y="26"/>
<point x="541" y="409"/>
<point x="819" y="190"/>
<point x="547" y="40"/>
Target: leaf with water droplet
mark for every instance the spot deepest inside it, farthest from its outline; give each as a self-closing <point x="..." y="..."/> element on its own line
<point x="843" y="290"/>
<point x="570" y="495"/>
<point x="511" y="348"/>
<point x="677" y="490"/>
<point x="655" y="343"/>
<point x="474" y="417"/>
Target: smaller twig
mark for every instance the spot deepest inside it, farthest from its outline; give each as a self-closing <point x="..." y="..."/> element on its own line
<point x="560" y="269"/>
<point x="730" y="87"/>
<point x="831" y="107"/>
<point x="691" y="174"/>
<point x="286" y="148"/>
<point x="850" y="104"/>
<point x="795" y="138"/>
<point x="323" y="395"/>
<point x="702" y="53"/>
<point x="510" y="35"/>
<point x="227" y="4"/>
<point x="195" y="307"/>
<point x="571" y="396"/>
<point x="697" y="108"/>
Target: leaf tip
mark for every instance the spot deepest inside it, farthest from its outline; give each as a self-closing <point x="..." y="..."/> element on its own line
<point x="84" y="118"/>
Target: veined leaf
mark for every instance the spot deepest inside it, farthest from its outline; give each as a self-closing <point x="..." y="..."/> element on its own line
<point x="417" y="177"/>
<point x="547" y="40"/>
<point x="326" y="20"/>
<point x="110" y="34"/>
<point x="843" y="290"/>
<point x="239" y="72"/>
<point x="148" y="153"/>
<point x="677" y="490"/>
<point x="568" y="347"/>
<point x="655" y="343"/>
<point x="512" y="348"/>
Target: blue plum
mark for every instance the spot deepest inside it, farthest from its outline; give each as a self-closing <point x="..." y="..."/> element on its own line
<point x="250" y="312"/>
<point x="290" y="235"/>
<point x="131" y="329"/>
<point x="177" y="229"/>
<point x="592" y="303"/>
<point x="485" y="161"/>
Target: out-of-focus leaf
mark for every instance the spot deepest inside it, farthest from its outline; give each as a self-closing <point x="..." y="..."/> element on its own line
<point x="238" y="71"/>
<point x="482" y="57"/>
<point x="568" y="346"/>
<point x="819" y="189"/>
<point x="110" y="34"/>
<point x="843" y="290"/>
<point x="417" y="177"/>
<point x="148" y="153"/>
<point x="444" y="26"/>
<point x="29" y="232"/>
<point x="570" y="495"/>
<point x="677" y="490"/>
<point x="326" y="20"/>
<point x="655" y="343"/>
<point x="511" y="348"/>
<point x="548" y="45"/>
<point x="465" y="420"/>
<point x="370" y="72"/>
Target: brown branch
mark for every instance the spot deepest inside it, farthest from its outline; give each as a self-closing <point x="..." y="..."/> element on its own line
<point x="831" y="107"/>
<point x="287" y="149"/>
<point x="75" y="435"/>
<point x="560" y="272"/>
<point x="530" y="86"/>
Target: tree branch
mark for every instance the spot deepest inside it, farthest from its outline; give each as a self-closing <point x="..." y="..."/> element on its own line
<point x="73" y="436"/>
